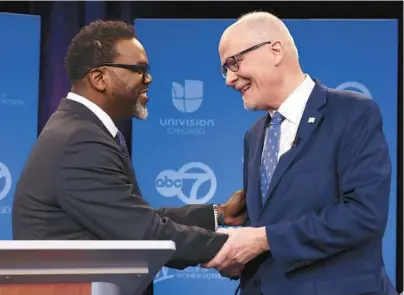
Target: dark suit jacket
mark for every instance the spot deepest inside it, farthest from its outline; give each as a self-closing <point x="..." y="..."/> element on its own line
<point x="328" y="202"/>
<point x="77" y="184"/>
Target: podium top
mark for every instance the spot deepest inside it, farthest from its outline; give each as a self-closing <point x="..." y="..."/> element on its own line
<point x="119" y="262"/>
<point x="86" y="245"/>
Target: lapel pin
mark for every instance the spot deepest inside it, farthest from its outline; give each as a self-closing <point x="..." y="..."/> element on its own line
<point x="312" y="119"/>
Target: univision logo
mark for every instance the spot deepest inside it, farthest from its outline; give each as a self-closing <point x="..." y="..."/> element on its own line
<point x="187" y="98"/>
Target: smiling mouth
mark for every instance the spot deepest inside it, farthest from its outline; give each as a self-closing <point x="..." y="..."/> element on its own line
<point x="144" y="99"/>
<point x="245" y="88"/>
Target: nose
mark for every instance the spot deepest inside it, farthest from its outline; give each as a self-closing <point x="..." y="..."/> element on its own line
<point x="231" y="78"/>
<point x="148" y="79"/>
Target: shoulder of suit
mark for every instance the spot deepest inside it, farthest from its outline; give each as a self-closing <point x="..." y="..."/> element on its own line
<point x="350" y="102"/>
<point x="83" y="131"/>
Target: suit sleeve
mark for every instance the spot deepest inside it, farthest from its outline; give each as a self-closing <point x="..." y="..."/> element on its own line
<point x="95" y="191"/>
<point x="245" y="163"/>
<point x="245" y="171"/>
<point x="364" y="183"/>
<point x="191" y="215"/>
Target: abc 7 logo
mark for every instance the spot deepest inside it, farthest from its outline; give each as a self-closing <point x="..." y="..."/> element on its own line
<point x="169" y="183"/>
<point x="355" y="86"/>
<point x="5" y="173"/>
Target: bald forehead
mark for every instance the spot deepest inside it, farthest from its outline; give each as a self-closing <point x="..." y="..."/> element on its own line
<point x="236" y="38"/>
<point x="250" y="30"/>
<point x="236" y="34"/>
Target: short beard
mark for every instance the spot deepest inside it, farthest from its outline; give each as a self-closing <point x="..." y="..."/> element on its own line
<point x="139" y="111"/>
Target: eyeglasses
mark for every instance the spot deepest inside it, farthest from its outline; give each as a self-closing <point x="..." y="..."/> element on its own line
<point x="143" y="69"/>
<point x="232" y="63"/>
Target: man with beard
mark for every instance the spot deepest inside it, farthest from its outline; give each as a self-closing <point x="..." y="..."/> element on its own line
<point x="78" y="182"/>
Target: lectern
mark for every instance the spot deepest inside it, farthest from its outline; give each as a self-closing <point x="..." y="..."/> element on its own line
<point x="80" y="267"/>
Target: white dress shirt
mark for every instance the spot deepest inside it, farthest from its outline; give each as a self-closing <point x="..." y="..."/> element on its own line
<point x="292" y="110"/>
<point x="103" y="116"/>
<point x="108" y="123"/>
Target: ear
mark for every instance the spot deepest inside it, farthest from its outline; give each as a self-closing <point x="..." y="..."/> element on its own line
<point x="278" y="51"/>
<point x="97" y="78"/>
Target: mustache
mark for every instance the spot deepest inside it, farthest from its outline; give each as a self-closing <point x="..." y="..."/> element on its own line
<point x="142" y="88"/>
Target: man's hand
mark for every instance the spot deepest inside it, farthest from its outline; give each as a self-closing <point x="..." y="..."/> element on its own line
<point x="234" y="210"/>
<point x="232" y="272"/>
<point x="243" y="245"/>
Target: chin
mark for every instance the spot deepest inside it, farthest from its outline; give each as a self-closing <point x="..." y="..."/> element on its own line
<point x="249" y="106"/>
<point x="140" y="113"/>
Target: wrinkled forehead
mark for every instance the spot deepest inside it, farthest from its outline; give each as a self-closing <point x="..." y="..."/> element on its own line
<point x="233" y="41"/>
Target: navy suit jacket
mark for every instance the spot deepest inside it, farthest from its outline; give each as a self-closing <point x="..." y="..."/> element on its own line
<point x="328" y="202"/>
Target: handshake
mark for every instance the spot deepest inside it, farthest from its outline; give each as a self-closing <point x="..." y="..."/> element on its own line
<point x="242" y="246"/>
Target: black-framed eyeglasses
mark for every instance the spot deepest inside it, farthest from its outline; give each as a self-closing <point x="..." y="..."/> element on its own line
<point x="143" y="69"/>
<point x="232" y="63"/>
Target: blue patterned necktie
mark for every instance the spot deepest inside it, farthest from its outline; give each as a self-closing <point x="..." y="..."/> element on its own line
<point x="120" y="139"/>
<point x="270" y="154"/>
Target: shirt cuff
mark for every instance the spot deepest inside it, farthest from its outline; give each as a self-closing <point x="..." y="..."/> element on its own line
<point x="215" y="217"/>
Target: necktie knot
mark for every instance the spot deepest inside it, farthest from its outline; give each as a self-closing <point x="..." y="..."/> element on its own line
<point x="277" y="119"/>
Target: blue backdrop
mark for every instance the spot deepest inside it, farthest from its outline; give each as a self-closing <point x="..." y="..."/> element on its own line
<point x="19" y="59"/>
<point x="190" y="148"/>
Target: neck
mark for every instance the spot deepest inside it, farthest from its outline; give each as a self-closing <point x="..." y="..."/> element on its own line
<point x="288" y="85"/>
<point x="91" y="96"/>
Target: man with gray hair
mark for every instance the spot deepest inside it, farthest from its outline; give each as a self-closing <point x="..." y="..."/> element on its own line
<point x="316" y="174"/>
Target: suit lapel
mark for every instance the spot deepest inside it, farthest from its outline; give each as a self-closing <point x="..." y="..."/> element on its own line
<point x="256" y="146"/>
<point x="84" y="112"/>
<point x="312" y="116"/>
